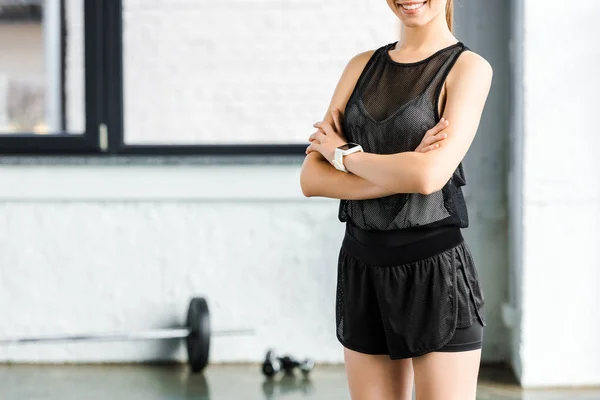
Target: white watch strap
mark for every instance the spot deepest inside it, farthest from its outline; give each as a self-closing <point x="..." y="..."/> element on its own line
<point x="339" y="157"/>
<point x="338" y="160"/>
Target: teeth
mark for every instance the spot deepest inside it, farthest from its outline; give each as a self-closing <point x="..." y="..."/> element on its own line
<point x="412" y="6"/>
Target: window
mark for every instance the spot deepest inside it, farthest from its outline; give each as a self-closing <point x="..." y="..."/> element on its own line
<point x="172" y="77"/>
<point x="47" y="101"/>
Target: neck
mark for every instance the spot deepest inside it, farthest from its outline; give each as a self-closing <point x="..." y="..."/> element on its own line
<point x="433" y="35"/>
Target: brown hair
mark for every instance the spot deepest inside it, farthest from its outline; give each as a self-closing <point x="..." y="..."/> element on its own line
<point x="450" y="14"/>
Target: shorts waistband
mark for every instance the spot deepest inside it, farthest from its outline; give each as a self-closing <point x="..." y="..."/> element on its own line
<point x="399" y="246"/>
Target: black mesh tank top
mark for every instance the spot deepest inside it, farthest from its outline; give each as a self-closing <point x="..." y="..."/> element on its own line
<point x="391" y="107"/>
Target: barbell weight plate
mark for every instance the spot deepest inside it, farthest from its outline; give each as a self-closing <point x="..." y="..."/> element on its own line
<point x="198" y="341"/>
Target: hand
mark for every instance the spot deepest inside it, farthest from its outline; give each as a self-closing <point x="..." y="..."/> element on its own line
<point x="432" y="136"/>
<point x="327" y="138"/>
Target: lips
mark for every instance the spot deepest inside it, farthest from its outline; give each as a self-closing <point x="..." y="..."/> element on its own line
<point x="411" y="7"/>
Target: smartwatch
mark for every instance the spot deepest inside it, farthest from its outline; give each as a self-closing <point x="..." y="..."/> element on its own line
<point x="344" y="150"/>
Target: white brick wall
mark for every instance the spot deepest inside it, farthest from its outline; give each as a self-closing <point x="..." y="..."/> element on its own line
<point x="111" y="265"/>
<point x="239" y="71"/>
<point x="561" y="265"/>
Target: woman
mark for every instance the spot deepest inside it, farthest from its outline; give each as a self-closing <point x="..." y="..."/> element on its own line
<point x="409" y="304"/>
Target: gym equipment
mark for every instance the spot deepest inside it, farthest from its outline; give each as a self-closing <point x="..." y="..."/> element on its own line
<point x="273" y="364"/>
<point x="196" y="332"/>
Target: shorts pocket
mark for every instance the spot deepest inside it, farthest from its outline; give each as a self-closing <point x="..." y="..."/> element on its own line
<point x="471" y="299"/>
<point x="340" y="304"/>
<point x="418" y="303"/>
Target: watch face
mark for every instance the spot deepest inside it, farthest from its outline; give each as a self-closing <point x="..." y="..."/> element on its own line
<point x="348" y="146"/>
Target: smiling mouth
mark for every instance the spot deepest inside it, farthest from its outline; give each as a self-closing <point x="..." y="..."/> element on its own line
<point x="412" y="6"/>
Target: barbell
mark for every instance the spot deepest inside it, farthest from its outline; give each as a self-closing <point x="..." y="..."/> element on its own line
<point x="196" y="332"/>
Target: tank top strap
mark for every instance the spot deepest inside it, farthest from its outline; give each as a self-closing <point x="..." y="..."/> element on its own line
<point x="368" y="69"/>
<point x="436" y="84"/>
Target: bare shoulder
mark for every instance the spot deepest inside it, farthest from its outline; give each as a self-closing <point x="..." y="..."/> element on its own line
<point x="362" y="57"/>
<point x="348" y="81"/>
<point x="357" y="63"/>
<point x="471" y="67"/>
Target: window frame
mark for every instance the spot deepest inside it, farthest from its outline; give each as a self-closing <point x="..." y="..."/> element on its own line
<point x="64" y="143"/>
<point x="104" y="108"/>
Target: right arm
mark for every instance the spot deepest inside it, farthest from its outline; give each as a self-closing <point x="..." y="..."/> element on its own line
<point x="319" y="178"/>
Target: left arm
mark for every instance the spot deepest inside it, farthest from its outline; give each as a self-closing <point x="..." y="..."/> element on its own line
<point x="467" y="88"/>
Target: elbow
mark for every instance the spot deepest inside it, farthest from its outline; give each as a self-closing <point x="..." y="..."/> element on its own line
<point x="306" y="191"/>
<point x="428" y="190"/>
<point x="305" y="185"/>
<point x="429" y="182"/>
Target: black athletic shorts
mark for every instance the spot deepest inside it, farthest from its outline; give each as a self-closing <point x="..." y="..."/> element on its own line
<point x="405" y="294"/>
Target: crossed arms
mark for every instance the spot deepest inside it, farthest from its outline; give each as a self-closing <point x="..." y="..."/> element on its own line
<point x="378" y="175"/>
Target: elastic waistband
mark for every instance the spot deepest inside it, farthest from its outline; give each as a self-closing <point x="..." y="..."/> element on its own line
<point x="399" y="246"/>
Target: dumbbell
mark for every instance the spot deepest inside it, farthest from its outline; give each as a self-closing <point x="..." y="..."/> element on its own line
<point x="196" y="332"/>
<point x="273" y="364"/>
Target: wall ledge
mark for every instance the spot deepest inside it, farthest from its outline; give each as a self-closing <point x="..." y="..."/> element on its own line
<point x="152" y="182"/>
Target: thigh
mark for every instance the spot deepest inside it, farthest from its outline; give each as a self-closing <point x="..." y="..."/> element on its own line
<point x="377" y="377"/>
<point x="447" y="375"/>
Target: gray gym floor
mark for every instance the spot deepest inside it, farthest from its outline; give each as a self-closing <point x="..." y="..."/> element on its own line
<point x="243" y="382"/>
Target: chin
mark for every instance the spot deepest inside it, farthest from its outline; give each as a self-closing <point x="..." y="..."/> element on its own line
<point x="412" y="23"/>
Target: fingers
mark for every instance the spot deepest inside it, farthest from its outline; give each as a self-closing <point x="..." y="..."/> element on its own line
<point x="325" y="126"/>
<point x="432" y="139"/>
<point x="433" y="136"/>
<point x="325" y="129"/>
<point x="313" y="146"/>
<point x="441" y="125"/>
<point x="318" y="135"/>
<point x="425" y="149"/>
